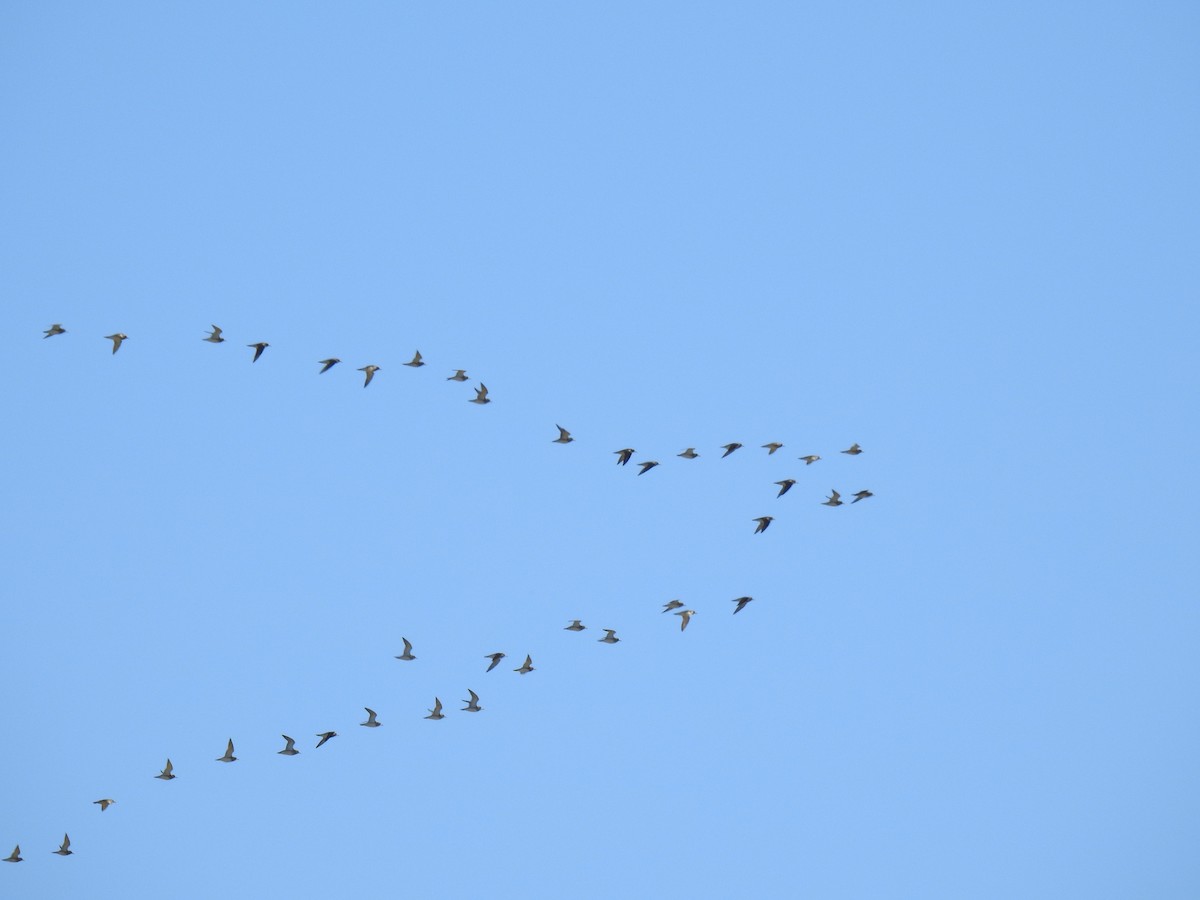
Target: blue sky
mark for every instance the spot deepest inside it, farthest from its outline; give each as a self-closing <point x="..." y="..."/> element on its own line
<point x="961" y="236"/>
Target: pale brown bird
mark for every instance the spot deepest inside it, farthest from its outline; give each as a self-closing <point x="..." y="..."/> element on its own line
<point x="228" y="757"/>
<point x="372" y="720"/>
<point x="810" y="459"/>
<point x="834" y="499"/>
<point x="258" y="349"/>
<point x="370" y="370"/>
<point x="416" y="361"/>
<point x="689" y="453"/>
<point x="575" y="625"/>
<point x="854" y="450"/>
<point x="53" y="330"/>
<point x="564" y="436"/>
<point x="610" y="637"/>
<point x="459" y="375"/>
<point x="436" y="712"/>
<point x="167" y="773"/>
<point x="324" y="736"/>
<point x="290" y="748"/>
<point x="741" y="604"/>
<point x="65" y="848"/>
<point x="327" y="364"/>
<point x="215" y="337"/>
<point x="729" y="448"/>
<point x="117" y="340"/>
<point x="495" y="658"/>
<point x="772" y="447"/>
<point x="861" y="495"/>
<point x="623" y="456"/>
<point x="481" y="394"/>
<point x="685" y="616"/>
<point x="674" y="604"/>
<point x="763" y="522"/>
<point x="16" y="855"/>
<point x="105" y="803"/>
<point x="785" y="486"/>
<point x="473" y="703"/>
<point x="647" y="466"/>
<point x="526" y="667"/>
<point x="407" y="654"/>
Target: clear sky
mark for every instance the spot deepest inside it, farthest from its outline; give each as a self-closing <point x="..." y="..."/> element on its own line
<point x="961" y="235"/>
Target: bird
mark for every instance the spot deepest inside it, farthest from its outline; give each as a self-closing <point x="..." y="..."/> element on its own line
<point x="370" y="370"/>
<point x="53" y="330"/>
<point x="459" y="375"/>
<point x="416" y="361"/>
<point x="117" y="339"/>
<point x="290" y="749"/>
<point x="16" y="855"/>
<point x="481" y="394"/>
<point x="810" y="459"/>
<point x="763" y="522"/>
<point x="372" y="721"/>
<point x="785" y="486"/>
<point x="228" y="757"/>
<point x="729" y="448"/>
<point x="685" y="616"/>
<point x="407" y="650"/>
<point x="495" y="658"/>
<point x="327" y="364"/>
<point x="215" y="337"/>
<point x="166" y="774"/>
<point x="527" y="666"/>
<point x="854" y="450"/>
<point x="647" y="466"/>
<point x="436" y="712"/>
<point x="258" y="349"/>
<point x="575" y="625"/>
<point x="623" y="456"/>
<point x="674" y="604"/>
<point x="610" y="637"/>
<point x="741" y="603"/>
<point x="772" y="447"/>
<point x="105" y="803"/>
<point x="65" y="849"/>
<point x="473" y="703"/>
<point x="689" y="453"/>
<point x="324" y="736"/>
<point x="564" y="436"/>
<point x="861" y="495"/>
<point x="834" y="499"/>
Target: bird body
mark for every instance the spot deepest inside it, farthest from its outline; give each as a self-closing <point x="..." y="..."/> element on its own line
<point x="526" y="667"/>
<point x="854" y="450"/>
<point x="117" y="340"/>
<point x="481" y="394"/>
<point x="407" y="654"/>
<point x="685" y="616"/>
<point x="689" y="453"/>
<point x="834" y="499"/>
<point x="15" y="856"/>
<point x="785" y="486"/>
<point x="324" y="736"/>
<point x="575" y="625"/>
<point x="741" y="603"/>
<point x="228" y="757"/>
<point x="372" y="720"/>
<point x="810" y="459"/>
<point x="623" y="456"/>
<point x="772" y="447"/>
<point x="416" y="361"/>
<point x="729" y="448"/>
<point x="861" y="495"/>
<point x="436" y="713"/>
<point x="647" y="466"/>
<point x="564" y="436"/>
<point x="763" y="522"/>
<point x="327" y="364"/>
<point x="290" y="748"/>
<point x="495" y="658"/>
<point x="473" y="703"/>
<point x="610" y="637"/>
<point x="674" y="604"/>
<point x="65" y="848"/>
<point x="459" y="375"/>
<point x="370" y="370"/>
<point x="258" y="349"/>
<point x="215" y="337"/>
<point x="53" y="330"/>
<point x="167" y="773"/>
<point x="105" y="803"/>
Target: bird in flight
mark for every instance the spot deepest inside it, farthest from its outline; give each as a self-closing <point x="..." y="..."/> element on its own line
<point x="495" y="658"/>
<point x="416" y="361"/>
<point x="834" y="499"/>
<point x="16" y="855"/>
<point x="327" y="364"/>
<point x="785" y="486"/>
<point x="258" y="349"/>
<point x="526" y="667"/>
<point x="117" y="340"/>
<point x="105" y="803"/>
<point x="741" y="603"/>
<point x="372" y="721"/>
<point x="215" y="337"/>
<point x="763" y="522"/>
<point x="407" y="650"/>
<point x="647" y="466"/>
<point x="772" y="447"/>
<point x="610" y="637"/>
<point x="854" y="450"/>
<point x="623" y="456"/>
<point x="481" y="394"/>
<point x="53" y="330"/>
<point x="729" y="448"/>
<point x="861" y="495"/>
<point x="575" y="625"/>
<point x="689" y="453"/>
<point x="685" y="616"/>
<point x="324" y="736"/>
<point x="674" y="604"/>
<point x="459" y="375"/>
<point x="65" y="848"/>
<point x="564" y="436"/>
<point x="167" y="773"/>
<point x="473" y="703"/>
<point x="810" y="459"/>
<point x="436" y="712"/>
<point x="370" y="370"/>
<point x="228" y="757"/>
<point x="290" y="749"/>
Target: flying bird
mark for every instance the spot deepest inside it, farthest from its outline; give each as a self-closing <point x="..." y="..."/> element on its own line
<point x="575" y="625"/>
<point x="481" y="394"/>
<point x="861" y="495"/>
<point x="473" y="703"/>
<point x="16" y="855"/>
<point x="854" y="450"/>
<point x="810" y="459"/>
<point x="834" y="499"/>
<point x="763" y="522"/>
<point x="116" y="339"/>
<point x="526" y="667"/>
<point x="65" y="848"/>
<point x="689" y="453"/>
<point x="772" y="447"/>
<point x="372" y="721"/>
<point x="105" y="803"/>
<point x="685" y="616"/>
<point x="436" y="712"/>
<point x="258" y="349"/>
<point x="407" y="650"/>
<point x="215" y="337"/>
<point x="459" y="375"/>
<point x="228" y="757"/>
<point x="370" y="370"/>
<point x="785" y="486"/>
<point x="610" y="637"/>
<point x="53" y="330"/>
<point x="327" y="364"/>
<point x="495" y="658"/>
<point x="564" y="436"/>
<point x="290" y="749"/>
<point x="674" y="604"/>
<point x="647" y="466"/>
<point x="324" y="736"/>
<point x="623" y="456"/>
<point x="416" y="361"/>
<point x="741" y="603"/>
<point x="729" y="448"/>
<point x="166" y="774"/>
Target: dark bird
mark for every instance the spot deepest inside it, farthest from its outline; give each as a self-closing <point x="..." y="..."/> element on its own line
<point x="647" y="466"/>
<point x="167" y="773"/>
<point x="685" y="617"/>
<point x="459" y="375"/>
<point x="861" y="495"/>
<point x="65" y="848"/>
<point x="215" y="337"/>
<point x="117" y="339"/>
<point x="810" y="459"/>
<point x="290" y="749"/>
<point x="575" y="625"/>
<point x="674" y="604"/>
<point x="564" y="436"/>
<point x="481" y="394"/>
<point x="324" y="736"/>
<point x="741" y="604"/>
<point x="834" y="499"/>
<point x="105" y="803"/>
<point x="53" y="330"/>
<point x="689" y="453"/>
<point x="854" y="450"/>
<point x="258" y="349"/>
<point x="327" y="364"/>
<point x="436" y="712"/>
<point x="526" y="667"/>
<point x="372" y="721"/>
<point x="729" y="448"/>
<point x="416" y="361"/>
<point x="763" y="522"/>
<point x="228" y="757"/>
<point x="610" y="637"/>
<point x="772" y="447"/>
<point x="16" y="855"/>
<point x="623" y="456"/>
<point x="495" y="658"/>
<point x="407" y="654"/>
<point x="473" y="703"/>
<point x="785" y="486"/>
<point x="370" y="370"/>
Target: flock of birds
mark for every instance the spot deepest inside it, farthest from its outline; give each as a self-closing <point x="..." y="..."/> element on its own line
<point x="624" y="456"/>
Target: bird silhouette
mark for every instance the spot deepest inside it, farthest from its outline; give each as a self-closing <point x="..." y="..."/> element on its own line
<point x="370" y="370"/>
<point x="772" y="447"/>
<point x="65" y="848"/>
<point x="623" y="456"/>
<point x="290" y="748"/>
<point x="495" y="658"/>
<point x="674" y="604"/>
<point x="647" y="466"/>
<point x="785" y="486"/>
<point x="685" y="616"/>
<point x="564" y="436"/>
<point x="416" y="361"/>
<point x="481" y="394"/>
<point x="459" y="375"/>
<point x="105" y="803"/>
<point x="327" y="364"/>
<point x="526" y="667"/>
<point x="473" y="703"/>
<point x="741" y="604"/>
<point x="15" y="856"/>
<point x="167" y="773"/>
<point x="117" y="340"/>
<point x="53" y="330"/>
<point x="854" y="450"/>
<point x="689" y="453"/>
<point x="763" y="522"/>
<point x="215" y="336"/>
<point x="810" y="459"/>
<point x="407" y="654"/>
<point x="258" y="349"/>
<point x="228" y="757"/>
<point x="729" y="448"/>
<point x="575" y="625"/>
<point x="834" y="499"/>
<point x="436" y="712"/>
<point x="610" y="637"/>
<point x="861" y="495"/>
<point x="324" y="736"/>
<point x="372" y="720"/>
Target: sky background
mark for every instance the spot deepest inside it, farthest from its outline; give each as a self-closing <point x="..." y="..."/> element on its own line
<point x="963" y="236"/>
